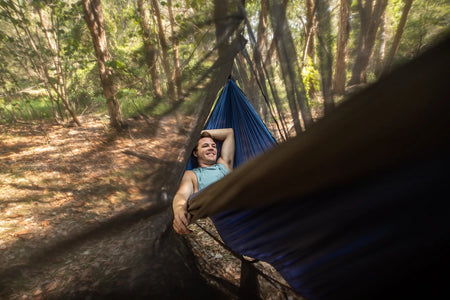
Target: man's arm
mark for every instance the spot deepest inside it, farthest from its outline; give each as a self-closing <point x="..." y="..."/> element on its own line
<point x="181" y="217"/>
<point x="228" y="146"/>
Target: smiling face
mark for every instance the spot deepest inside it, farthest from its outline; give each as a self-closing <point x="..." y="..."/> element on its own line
<point x="206" y="152"/>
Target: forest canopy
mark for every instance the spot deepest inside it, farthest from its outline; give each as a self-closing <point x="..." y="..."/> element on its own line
<point x="299" y="59"/>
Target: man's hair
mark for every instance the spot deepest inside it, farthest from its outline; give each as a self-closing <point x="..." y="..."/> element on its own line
<point x="202" y="135"/>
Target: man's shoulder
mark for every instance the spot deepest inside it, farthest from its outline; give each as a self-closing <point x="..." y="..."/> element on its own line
<point x="223" y="164"/>
<point x="189" y="174"/>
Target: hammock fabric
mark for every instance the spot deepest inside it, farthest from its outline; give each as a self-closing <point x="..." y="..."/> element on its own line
<point x="232" y="110"/>
<point x="383" y="233"/>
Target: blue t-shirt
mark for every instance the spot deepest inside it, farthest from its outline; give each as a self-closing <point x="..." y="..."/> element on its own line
<point x="209" y="175"/>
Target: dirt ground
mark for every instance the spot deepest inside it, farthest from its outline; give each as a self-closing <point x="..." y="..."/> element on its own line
<point x="84" y="214"/>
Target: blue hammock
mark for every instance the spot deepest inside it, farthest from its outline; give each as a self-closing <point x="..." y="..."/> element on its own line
<point x="232" y="110"/>
<point x="251" y="232"/>
<point x="333" y="244"/>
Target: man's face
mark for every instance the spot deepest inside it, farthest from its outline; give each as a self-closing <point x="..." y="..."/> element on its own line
<point x="206" y="151"/>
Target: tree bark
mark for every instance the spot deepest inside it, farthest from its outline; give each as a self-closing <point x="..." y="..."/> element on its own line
<point x="261" y="33"/>
<point x="380" y="50"/>
<point x="340" y="75"/>
<point x="164" y="49"/>
<point x="176" y="59"/>
<point x="262" y="73"/>
<point x="310" y="29"/>
<point x="309" y="53"/>
<point x="221" y="26"/>
<point x="398" y="35"/>
<point x="165" y="52"/>
<point x="249" y="80"/>
<point x="325" y="55"/>
<point x="93" y="14"/>
<point x="150" y="51"/>
<point x="370" y="18"/>
<point x="260" y="44"/>
<point x="290" y="69"/>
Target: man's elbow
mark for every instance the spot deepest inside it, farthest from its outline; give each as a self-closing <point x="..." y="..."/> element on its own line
<point x="230" y="133"/>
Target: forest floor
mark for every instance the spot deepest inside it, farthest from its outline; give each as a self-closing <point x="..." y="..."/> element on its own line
<point x="83" y="211"/>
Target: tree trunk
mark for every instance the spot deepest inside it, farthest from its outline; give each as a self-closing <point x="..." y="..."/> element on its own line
<point x="242" y="68"/>
<point x="261" y="72"/>
<point x="260" y="43"/>
<point x="220" y="21"/>
<point x="60" y="86"/>
<point x="150" y="51"/>
<point x="176" y="59"/>
<point x="165" y="52"/>
<point x="290" y="70"/>
<point x="370" y="18"/>
<point x="249" y="80"/>
<point x="325" y="55"/>
<point x="93" y="15"/>
<point x="398" y="35"/>
<point x="309" y="54"/>
<point x="380" y="51"/>
<point x="261" y="34"/>
<point x="310" y="29"/>
<point x="340" y="75"/>
<point x="269" y="73"/>
<point x="36" y="57"/>
<point x="270" y="52"/>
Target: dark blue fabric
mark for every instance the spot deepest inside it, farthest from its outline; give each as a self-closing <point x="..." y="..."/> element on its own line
<point x="232" y="110"/>
<point x="252" y="137"/>
<point x="352" y="242"/>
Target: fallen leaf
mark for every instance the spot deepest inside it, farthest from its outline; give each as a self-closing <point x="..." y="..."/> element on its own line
<point x="22" y="233"/>
<point x="51" y="286"/>
<point x="37" y="292"/>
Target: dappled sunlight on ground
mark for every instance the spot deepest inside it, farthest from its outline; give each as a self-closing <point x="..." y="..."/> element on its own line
<point x="65" y="193"/>
<point x="57" y="181"/>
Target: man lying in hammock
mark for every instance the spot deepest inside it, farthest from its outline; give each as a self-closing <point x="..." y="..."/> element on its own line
<point x="210" y="169"/>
